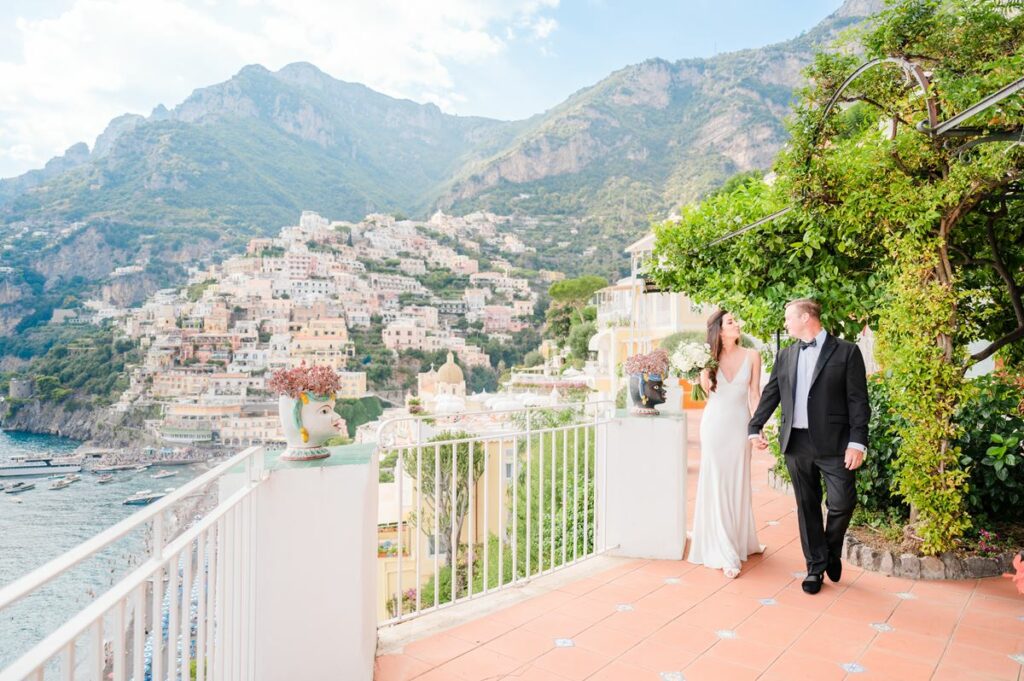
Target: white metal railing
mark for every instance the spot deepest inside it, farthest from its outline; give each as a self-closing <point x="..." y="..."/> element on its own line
<point x="191" y="602"/>
<point x="532" y="513"/>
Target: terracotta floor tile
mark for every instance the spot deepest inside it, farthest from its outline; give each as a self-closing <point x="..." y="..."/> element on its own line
<point x="879" y="582"/>
<point x="858" y="603"/>
<point x="930" y="619"/>
<point x="910" y="644"/>
<point x="635" y="621"/>
<point x="587" y="610"/>
<point x="581" y="587"/>
<point x="955" y="592"/>
<point x="1006" y="642"/>
<point x="531" y="672"/>
<point x="438" y="649"/>
<point x="948" y="672"/>
<point x="657" y="657"/>
<point x="997" y="586"/>
<point x="746" y="652"/>
<point x="666" y="568"/>
<point x="573" y="663"/>
<point x="551" y="600"/>
<point x="680" y="635"/>
<point x="999" y="606"/>
<point x="791" y="666"/>
<point x="439" y="675"/>
<point x="981" y="661"/>
<point x="555" y="625"/>
<point x="777" y="625"/>
<point x="608" y="640"/>
<point x="521" y="644"/>
<point x="481" y="630"/>
<point x="707" y="668"/>
<point x="617" y="593"/>
<point x="620" y="671"/>
<point x="398" y="668"/>
<point x="991" y="620"/>
<point x="879" y="664"/>
<point x="480" y="664"/>
<point x="836" y="645"/>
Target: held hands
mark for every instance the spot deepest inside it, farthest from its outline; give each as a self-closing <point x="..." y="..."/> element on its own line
<point x="760" y="445"/>
<point x="854" y="458"/>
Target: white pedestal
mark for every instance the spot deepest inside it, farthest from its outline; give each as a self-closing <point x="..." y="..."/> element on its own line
<point x="316" y="615"/>
<point x="645" y="502"/>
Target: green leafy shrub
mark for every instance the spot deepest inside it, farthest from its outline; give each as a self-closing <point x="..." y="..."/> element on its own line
<point x="992" y="430"/>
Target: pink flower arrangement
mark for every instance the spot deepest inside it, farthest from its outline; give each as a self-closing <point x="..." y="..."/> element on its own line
<point x="655" y="362"/>
<point x="317" y="380"/>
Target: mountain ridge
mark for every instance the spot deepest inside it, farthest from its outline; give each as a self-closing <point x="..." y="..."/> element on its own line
<point x="240" y="158"/>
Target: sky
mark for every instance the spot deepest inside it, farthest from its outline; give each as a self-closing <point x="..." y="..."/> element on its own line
<point x="69" y="66"/>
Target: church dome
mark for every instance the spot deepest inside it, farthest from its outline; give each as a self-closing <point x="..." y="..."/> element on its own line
<point x="450" y="372"/>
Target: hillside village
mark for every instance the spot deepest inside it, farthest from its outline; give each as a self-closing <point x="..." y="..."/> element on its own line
<point x="302" y="297"/>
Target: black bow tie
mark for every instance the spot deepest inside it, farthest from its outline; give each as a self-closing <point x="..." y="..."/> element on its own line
<point x="808" y="344"/>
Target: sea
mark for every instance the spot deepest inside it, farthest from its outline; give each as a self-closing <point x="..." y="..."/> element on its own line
<point x="41" y="524"/>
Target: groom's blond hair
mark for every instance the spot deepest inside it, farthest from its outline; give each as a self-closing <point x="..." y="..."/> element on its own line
<point x="807" y="305"/>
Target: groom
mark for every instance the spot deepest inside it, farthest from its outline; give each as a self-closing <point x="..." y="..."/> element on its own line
<point x="822" y="385"/>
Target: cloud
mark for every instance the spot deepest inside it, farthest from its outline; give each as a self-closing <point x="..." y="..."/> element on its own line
<point x="543" y="27"/>
<point x="100" y="58"/>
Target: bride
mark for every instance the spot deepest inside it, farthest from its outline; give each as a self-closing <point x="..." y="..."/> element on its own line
<point x="723" y="520"/>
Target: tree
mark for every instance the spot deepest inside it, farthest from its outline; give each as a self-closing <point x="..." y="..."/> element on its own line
<point x="914" y="233"/>
<point x="439" y="490"/>
<point x="576" y="293"/>
<point x="579" y="339"/>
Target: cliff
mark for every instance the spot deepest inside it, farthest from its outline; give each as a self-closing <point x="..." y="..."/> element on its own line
<point x="99" y="426"/>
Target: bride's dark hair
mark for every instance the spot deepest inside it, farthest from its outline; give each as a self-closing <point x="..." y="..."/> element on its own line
<point x="715" y="342"/>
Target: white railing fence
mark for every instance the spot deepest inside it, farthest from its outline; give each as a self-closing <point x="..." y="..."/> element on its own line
<point x="185" y="612"/>
<point x="481" y="511"/>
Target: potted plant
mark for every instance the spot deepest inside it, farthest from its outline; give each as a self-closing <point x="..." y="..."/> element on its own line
<point x="647" y="374"/>
<point x="306" y="408"/>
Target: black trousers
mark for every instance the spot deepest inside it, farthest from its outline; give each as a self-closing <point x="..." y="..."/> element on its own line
<point x="807" y="468"/>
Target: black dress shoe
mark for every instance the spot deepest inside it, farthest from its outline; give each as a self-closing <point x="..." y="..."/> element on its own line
<point x="812" y="583"/>
<point x="835" y="568"/>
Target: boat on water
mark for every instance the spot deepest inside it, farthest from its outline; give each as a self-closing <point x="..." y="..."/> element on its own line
<point x="163" y="473"/>
<point x="104" y="479"/>
<point x="112" y="469"/>
<point x="61" y="484"/>
<point x="37" y="466"/>
<point x="140" y="467"/>
<point x="72" y="477"/>
<point x="143" y="498"/>
<point x="19" y="487"/>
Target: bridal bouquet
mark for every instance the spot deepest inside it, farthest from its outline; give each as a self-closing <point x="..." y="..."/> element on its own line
<point x="689" y="360"/>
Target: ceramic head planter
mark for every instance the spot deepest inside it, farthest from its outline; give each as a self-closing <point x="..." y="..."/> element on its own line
<point x="647" y="373"/>
<point x="306" y="409"/>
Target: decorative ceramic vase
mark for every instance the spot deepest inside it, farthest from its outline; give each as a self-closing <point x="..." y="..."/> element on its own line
<point x="646" y="392"/>
<point x="307" y="422"/>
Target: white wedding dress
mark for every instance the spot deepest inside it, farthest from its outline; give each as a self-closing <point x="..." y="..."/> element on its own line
<point x="723" y="519"/>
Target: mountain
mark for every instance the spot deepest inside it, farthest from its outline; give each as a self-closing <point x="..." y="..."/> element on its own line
<point x="256" y="149"/>
<point x="243" y="157"/>
<point x="651" y="136"/>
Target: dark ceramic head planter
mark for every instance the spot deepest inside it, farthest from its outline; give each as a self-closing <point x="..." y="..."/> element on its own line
<point x="646" y="391"/>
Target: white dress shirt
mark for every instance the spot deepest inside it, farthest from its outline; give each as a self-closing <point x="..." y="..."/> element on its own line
<point x="808" y="359"/>
<point x="805" y="364"/>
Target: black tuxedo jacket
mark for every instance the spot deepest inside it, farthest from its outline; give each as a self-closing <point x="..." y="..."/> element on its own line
<point x="837" y="405"/>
